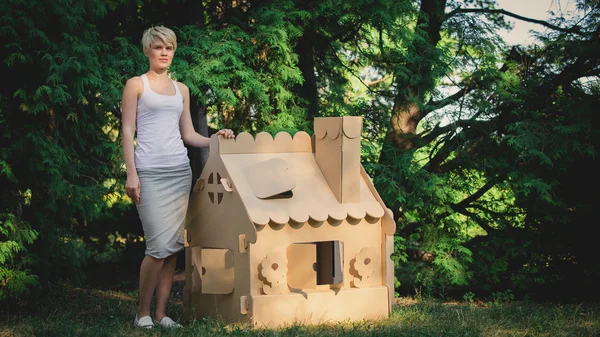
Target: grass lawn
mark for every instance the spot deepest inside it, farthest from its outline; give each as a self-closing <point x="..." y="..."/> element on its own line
<point x="69" y="311"/>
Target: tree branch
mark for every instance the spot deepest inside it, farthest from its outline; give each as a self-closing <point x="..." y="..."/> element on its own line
<point x="434" y="105"/>
<point x="496" y="214"/>
<point x="440" y="130"/>
<point x="585" y="64"/>
<point x="461" y="206"/>
<point x="99" y="161"/>
<point x="483" y="224"/>
<point x="451" y="143"/>
<point x="574" y="29"/>
<point x="367" y="85"/>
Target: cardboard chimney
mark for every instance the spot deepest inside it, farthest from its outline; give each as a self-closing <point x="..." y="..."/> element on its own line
<point x="338" y="155"/>
<point x="288" y="230"/>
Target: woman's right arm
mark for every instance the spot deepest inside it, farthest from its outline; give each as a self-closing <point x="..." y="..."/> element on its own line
<point x="128" y="117"/>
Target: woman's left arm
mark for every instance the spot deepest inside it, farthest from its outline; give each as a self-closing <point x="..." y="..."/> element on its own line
<point x="188" y="134"/>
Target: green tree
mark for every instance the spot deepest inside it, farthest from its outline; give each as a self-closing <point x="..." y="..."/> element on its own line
<point x="462" y="139"/>
<point x="57" y="148"/>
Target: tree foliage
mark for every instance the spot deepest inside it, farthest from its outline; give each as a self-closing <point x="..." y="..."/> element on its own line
<point x="480" y="149"/>
<point x="56" y="143"/>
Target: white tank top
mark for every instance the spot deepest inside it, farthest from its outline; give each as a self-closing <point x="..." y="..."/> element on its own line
<point x="159" y="143"/>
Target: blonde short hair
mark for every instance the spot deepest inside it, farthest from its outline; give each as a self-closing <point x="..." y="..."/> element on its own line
<point x="158" y="32"/>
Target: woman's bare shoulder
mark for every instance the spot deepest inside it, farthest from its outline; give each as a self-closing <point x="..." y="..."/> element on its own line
<point x="134" y="84"/>
<point x="135" y="81"/>
<point x="183" y="88"/>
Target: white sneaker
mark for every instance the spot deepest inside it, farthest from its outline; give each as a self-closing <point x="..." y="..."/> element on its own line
<point x="167" y="322"/>
<point x="144" y="322"/>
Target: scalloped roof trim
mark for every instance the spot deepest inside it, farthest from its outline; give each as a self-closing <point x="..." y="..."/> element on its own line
<point x="374" y="211"/>
<point x="265" y="143"/>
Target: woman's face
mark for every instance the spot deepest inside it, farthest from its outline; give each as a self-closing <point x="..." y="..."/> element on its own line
<point x="160" y="55"/>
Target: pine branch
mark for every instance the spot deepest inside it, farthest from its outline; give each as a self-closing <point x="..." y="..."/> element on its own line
<point x="367" y="85"/>
<point x="469" y="202"/>
<point x="96" y="182"/>
<point x="440" y="130"/>
<point x="584" y="65"/>
<point x="496" y="214"/>
<point x="99" y="161"/>
<point x="435" y="105"/>
<point x="475" y="81"/>
<point x="580" y="68"/>
<point x="474" y="129"/>
<point x="461" y="206"/>
<point x="481" y="222"/>
<point x="409" y="229"/>
<point x="574" y="29"/>
<point x="433" y="165"/>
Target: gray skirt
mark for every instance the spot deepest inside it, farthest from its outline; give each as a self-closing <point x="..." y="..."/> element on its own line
<point x="164" y="197"/>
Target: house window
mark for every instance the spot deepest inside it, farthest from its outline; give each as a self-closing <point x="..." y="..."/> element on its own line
<point x="212" y="182"/>
<point x="329" y="262"/>
<point x="212" y="271"/>
<point x="312" y="264"/>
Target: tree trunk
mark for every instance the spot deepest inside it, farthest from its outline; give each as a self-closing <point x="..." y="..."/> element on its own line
<point x="306" y="63"/>
<point x="407" y="111"/>
<point x="199" y="156"/>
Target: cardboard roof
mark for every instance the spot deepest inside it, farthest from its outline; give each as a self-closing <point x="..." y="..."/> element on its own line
<point x="293" y="165"/>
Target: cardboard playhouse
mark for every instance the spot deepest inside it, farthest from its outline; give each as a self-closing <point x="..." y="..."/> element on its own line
<point x="288" y="230"/>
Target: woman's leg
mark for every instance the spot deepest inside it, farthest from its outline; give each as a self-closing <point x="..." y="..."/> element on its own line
<point x="163" y="286"/>
<point x="149" y="274"/>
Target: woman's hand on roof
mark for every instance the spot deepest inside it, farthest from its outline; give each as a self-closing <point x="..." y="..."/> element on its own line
<point x="227" y="133"/>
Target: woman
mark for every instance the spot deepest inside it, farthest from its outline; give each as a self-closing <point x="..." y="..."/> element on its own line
<point x="158" y="171"/>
